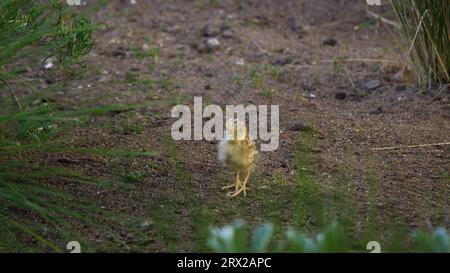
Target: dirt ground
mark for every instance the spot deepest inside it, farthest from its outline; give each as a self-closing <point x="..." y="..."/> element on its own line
<point x="330" y="119"/>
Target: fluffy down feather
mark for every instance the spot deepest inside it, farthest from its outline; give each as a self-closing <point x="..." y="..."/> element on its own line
<point x="237" y="151"/>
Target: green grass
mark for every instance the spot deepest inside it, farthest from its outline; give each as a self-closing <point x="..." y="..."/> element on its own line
<point x="164" y="212"/>
<point x="276" y="198"/>
<point x="257" y="78"/>
<point x="274" y="71"/>
<point x="198" y="214"/>
<point x="151" y="53"/>
<point x="40" y="209"/>
<point x="342" y="205"/>
<point x="371" y="228"/>
<point x="24" y="24"/>
<point x="33" y="210"/>
<point x="130" y="128"/>
<point x="49" y="209"/>
<point x="425" y="29"/>
<point x="36" y="215"/>
<point x="166" y="208"/>
<point x="268" y="93"/>
<point x="318" y="204"/>
<point x="309" y="207"/>
<point x="165" y="84"/>
<point x="238" y="81"/>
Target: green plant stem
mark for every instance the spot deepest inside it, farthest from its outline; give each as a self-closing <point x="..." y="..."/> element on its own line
<point x="12" y="93"/>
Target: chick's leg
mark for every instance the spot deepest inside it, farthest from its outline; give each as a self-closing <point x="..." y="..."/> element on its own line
<point x="249" y="172"/>
<point x="233" y="194"/>
<point x="238" y="188"/>
<point x="236" y="184"/>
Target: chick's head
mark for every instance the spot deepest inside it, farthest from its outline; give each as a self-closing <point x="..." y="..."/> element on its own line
<point x="235" y="130"/>
<point x="237" y="150"/>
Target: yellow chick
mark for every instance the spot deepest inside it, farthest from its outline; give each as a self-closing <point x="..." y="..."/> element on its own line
<point x="238" y="152"/>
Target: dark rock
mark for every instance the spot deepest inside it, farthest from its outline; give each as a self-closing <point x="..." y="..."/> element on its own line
<point x="329" y="42"/>
<point x="281" y="61"/>
<point x="120" y="52"/>
<point x="340" y="95"/>
<point x="256" y="57"/>
<point x="207" y="87"/>
<point x="210" y="31"/>
<point x="298" y="127"/>
<point x="400" y="87"/>
<point x="262" y="20"/>
<point x="65" y="161"/>
<point x="372" y="85"/>
<point x="49" y="81"/>
<point x="377" y="111"/>
<point x="294" y="24"/>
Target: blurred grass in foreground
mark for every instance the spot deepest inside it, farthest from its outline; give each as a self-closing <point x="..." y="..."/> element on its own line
<point x="235" y="238"/>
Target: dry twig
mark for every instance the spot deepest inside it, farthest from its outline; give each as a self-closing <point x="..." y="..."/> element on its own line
<point x="410" y="146"/>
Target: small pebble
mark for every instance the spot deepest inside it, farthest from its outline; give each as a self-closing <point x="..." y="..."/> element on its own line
<point x="239" y="62"/>
<point x="227" y="34"/>
<point x="283" y="60"/>
<point x="372" y="85"/>
<point x="146" y="225"/>
<point x="400" y="87"/>
<point x="377" y="111"/>
<point x="212" y="43"/>
<point x="330" y="42"/>
<point x="340" y="95"/>
<point x="298" y="127"/>
<point x="48" y="64"/>
<point x="294" y="24"/>
<point x="103" y="79"/>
